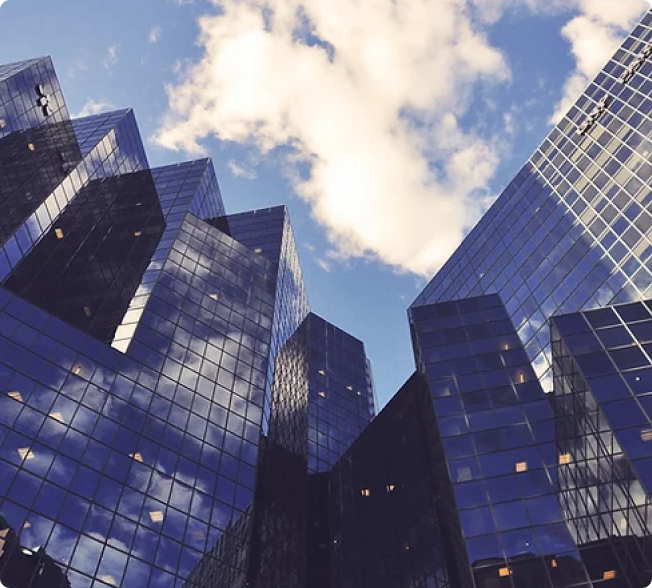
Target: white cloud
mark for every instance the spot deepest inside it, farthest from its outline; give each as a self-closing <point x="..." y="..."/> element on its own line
<point x="111" y="58"/>
<point x="93" y="107"/>
<point x="242" y="171"/>
<point x="381" y="182"/>
<point x="155" y="34"/>
<point x="372" y="109"/>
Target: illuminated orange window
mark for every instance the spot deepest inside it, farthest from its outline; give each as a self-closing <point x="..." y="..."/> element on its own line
<point x="564" y="458"/>
<point x="136" y="456"/>
<point x="31" y="146"/>
<point x="390" y="487"/>
<point x="646" y="434"/>
<point x="553" y="563"/>
<point x="609" y="575"/>
<point x="503" y="572"/>
<point x="521" y="466"/>
<point x="16" y="396"/>
<point x="58" y="233"/>
<point x="365" y="492"/>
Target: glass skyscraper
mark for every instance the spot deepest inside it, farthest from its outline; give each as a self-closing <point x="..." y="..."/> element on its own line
<point x="139" y="330"/>
<point x="573" y="230"/>
<point x="172" y="414"/>
<point x="546" y="490"/>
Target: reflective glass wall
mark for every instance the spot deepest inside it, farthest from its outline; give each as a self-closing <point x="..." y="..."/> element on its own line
<point x="602" y="399"/>
<point x="573" y="230"/>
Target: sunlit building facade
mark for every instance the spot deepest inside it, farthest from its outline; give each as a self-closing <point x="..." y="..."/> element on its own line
<point x="573" y="230"/>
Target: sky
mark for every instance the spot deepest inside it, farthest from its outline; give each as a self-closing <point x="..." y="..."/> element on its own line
<point x="386" y="126"/>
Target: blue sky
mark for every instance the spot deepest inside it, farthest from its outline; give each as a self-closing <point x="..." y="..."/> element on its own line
<point x="387" y="127"/>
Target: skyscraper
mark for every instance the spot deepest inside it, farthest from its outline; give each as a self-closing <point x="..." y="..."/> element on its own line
<point x="573" y="230"/>
<point x="140" y="327"/>
<point x="173" y="414"/>
<point x="550" y="490"/>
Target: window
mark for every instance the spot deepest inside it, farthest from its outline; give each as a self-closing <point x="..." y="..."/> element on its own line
<point x="503" y="572"/>
<point x="156" y="516"/>
<point x="16" y="396"/>
<point x="58" y="233"/>
<point x="564" y="458"/>
<point x="521" y="466"/>
<point x="609" y="575"/>
<point x="365" y="492"/>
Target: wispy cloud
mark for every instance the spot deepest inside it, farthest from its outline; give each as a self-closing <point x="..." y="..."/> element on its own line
<point x="94" y="107"/>
<point x="77" y="66"/>
<point x="111" y="58"/>
<point x="242" y="171"/>
<point x="367" y="97"/>
<point x="155" y="34"/>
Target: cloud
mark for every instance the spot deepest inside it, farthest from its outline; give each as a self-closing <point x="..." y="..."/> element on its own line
<point x="594" y="35"/>
<point x="154" y="34"/>
<point x="363" y="103"/>
<point x="78" y="65"/>
<point x="241" y="171"/>
<point x="367" y="97"/>
<point x="94" y="107"/>
<point x="111" y="58"/>
<point x="2" y="2"/>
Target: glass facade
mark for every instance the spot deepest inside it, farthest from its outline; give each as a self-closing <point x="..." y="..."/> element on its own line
<point x="383" y="526"/>
<point x="573" y="230"/>
<point x="173" y="415"/>
<point x="321" y="401"/>
<point x="140" y="327"/>
<point x="603" y="400"/>
<point x="499" y="457"/>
